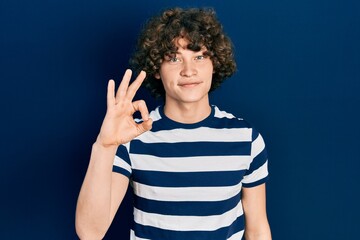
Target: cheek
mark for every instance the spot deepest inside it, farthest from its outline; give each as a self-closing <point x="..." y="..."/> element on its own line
<point x="211" y="71"/>
<point x="166" y="71"/>
<point x="210" y="67"/>
<point x="167" y="81"/>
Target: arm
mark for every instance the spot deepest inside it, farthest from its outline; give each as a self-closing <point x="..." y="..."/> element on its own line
<point x="254" y="204"/>
<point x="102" y="190"/>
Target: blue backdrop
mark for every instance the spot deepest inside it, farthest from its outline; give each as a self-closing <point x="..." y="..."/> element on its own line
<point x="297" y="82"/>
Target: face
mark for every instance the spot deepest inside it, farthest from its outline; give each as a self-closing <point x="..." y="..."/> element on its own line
<point x="186" y="76"/>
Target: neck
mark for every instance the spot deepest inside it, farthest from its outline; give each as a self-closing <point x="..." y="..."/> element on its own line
<point x="187" y="112"/>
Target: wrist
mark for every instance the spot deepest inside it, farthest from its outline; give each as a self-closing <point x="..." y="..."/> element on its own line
<point x="104" y="147"/>
<point x="102" y="157"/>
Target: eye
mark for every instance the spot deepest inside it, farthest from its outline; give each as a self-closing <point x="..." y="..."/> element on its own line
<point x="174" y="59"/>
<point x="200" y="57"/>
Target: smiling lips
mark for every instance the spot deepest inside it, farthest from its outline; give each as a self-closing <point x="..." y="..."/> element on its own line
<point x="188" y="84"/>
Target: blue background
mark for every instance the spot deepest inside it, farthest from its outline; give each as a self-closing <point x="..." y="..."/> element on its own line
<point x="297" y="82"/>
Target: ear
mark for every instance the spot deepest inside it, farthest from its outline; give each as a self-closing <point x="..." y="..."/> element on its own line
<point x="157" y="75"/>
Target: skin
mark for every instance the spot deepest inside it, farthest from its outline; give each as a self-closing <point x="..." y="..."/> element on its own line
<point x="187" y="79"/>
<point x="254" y="205"/>
<point x="102" y="190"/>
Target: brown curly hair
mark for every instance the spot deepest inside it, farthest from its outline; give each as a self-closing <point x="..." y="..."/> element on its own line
<point x="200" y="27"/>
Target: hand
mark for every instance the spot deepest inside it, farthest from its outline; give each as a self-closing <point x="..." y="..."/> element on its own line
<point x="119" y="126"/>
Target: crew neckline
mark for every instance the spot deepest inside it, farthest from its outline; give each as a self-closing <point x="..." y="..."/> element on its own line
<point x="176" y="124"/>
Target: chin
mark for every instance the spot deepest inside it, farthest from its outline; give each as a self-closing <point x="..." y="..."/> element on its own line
<point x="193" y="99"/>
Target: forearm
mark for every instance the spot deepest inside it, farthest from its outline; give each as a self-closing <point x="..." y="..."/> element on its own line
<point x="94" y="202"/>
<point x="103" y="191"/>
<point x="256" y="222"/>
<point x="261" y="232"/>
<point x="263" y="236"/>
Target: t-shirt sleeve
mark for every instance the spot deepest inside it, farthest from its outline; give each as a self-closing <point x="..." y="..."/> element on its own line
<point x="122" y="163"/>
<point x="257" y="173"/>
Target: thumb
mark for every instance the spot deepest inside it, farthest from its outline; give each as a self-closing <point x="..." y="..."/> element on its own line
<point x="145" y="125"/>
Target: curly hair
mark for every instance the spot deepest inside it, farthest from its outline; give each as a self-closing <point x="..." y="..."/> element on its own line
<point x="200" y="27"/>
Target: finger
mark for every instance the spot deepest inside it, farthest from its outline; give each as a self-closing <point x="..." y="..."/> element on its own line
<point x="140" y="106"/>
<point x="135" y="85"/>
<point x="121" y="92"/>
<point x="110" y="98"/>
<point x="145" y="125"/>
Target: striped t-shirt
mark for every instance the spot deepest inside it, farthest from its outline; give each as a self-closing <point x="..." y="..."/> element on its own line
<point x="187" y="178"/>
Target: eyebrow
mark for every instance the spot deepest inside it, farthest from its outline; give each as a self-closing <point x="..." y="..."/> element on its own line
<point x="201" y="50"/>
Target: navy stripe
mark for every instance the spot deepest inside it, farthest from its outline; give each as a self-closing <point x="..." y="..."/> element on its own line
<point x="257" y="162"/>
<point x="121" y="171"/>
<point x="123" y="154"/>
<point x="188" y="208"/>
<point x="188" y="179"/>
<point x="153" y="233"/>
<point x="185" y="149"/>
<point x="214" y="122"/>
<point x="218" y="123"/>
<point x="255" y="134"/>
<point x="221" y="123"/>
<point x="168" y="124"/>
<point x="257" y="183"/>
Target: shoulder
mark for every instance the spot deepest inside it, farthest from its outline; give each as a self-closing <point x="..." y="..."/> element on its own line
<point x="228" y="119"/>
<point x="224" y="119"/>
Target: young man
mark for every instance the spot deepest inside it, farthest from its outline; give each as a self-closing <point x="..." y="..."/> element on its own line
<point x="196" y="172"/>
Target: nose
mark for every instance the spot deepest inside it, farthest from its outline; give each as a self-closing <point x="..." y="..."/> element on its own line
<point x="188" y="69"/>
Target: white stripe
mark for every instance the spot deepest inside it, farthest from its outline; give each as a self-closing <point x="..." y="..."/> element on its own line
<point x="155" y="114"/>
<point x="190" y="164"/>
<point x="237" y="235"/>
<point x="204" y="134"/>
<point x="134" y="237"/>
<point x="122" y="164"/>
<point x="222" y="114"/>
<point x="258" y="174"/>
<point x="257" y="146"/>
<point x="186" y="193"/>
<point x="188" y="223"/>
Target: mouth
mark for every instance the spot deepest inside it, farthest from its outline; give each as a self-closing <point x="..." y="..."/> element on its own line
<point x="189" y="84"/>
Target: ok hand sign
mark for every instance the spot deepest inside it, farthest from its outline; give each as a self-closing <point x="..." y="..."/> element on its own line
<point x="119" y="126"/>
